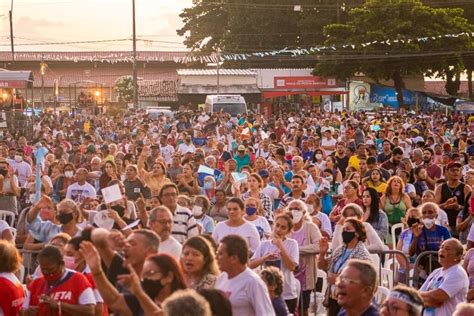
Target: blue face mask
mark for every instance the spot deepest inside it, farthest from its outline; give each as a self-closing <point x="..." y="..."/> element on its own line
<point x="208" y="185"/>
<point x="250" y="210"/>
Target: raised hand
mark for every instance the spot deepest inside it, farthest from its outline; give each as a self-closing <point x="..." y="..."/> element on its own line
<point x="91" y="255"/>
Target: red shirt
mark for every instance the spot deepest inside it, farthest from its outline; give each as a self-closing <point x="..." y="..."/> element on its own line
<point x="12" y="294"/>
<point x="68" y="290"/>
<point x="90" y="278"/>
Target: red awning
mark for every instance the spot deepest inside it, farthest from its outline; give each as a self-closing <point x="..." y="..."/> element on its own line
<point x="275" y="94"/>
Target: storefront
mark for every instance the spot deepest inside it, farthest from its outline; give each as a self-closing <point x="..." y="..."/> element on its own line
<point x="294" y="89"/>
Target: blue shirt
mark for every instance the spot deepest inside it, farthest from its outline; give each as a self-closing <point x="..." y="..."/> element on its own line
<point x="433" y="239"/>
<point x="242" y="161"/>
<point x="371" y="311"/>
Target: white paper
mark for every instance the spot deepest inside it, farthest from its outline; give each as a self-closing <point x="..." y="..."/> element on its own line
<point x="102" y="220"/>
<point x="245" y="131"/>
<point x="206" y="170"/>
<point x="239" y="177"/>
<point x="131" y="225"/>
<point x="111" y="194"/>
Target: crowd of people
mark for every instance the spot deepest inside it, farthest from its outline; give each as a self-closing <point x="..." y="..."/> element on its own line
<point x="208" y="214"/>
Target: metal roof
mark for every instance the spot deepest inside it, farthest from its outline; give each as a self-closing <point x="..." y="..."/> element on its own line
<point x="213" y="72"/>
<point x="7" y="75"/>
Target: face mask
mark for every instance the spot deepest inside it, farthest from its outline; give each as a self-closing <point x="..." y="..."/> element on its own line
<point x="319" y="156"/>
<point x="119" y="209"/>
<point x="69" y="262"/>
<point x="69" y="174"/>
<point x="411" y="221"/>
<point x="65" y="218"/>
<point x="310" y="208"/>
<point x="347" y="237"/>
<point x="52" y="278"/>
<point x="297" y="216"/>
<point x="250" y="210"/>
<point x="152" y="287"/>
<point x="197" y="210"/>
<point x="329" y="179"/>
<point x="428" y="222"/>
<point x="32" y="198"/>
<point x="208" y="185"/>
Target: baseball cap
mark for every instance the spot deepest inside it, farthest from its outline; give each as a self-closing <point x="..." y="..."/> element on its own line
<point x="263" y="173"/>
<point x="241" y="148"/>
<point x="453" y="164"/>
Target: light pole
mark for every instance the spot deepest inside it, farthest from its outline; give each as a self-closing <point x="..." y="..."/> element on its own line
<point x="135" y="83"/>
<point x="11" y="31"/>
<point x="97" y="96"/>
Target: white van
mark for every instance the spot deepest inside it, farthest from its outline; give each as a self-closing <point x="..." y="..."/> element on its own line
<point x="232" y="104"/>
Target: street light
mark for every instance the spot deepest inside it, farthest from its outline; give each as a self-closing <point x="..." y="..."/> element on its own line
<point x="97" y="95"/>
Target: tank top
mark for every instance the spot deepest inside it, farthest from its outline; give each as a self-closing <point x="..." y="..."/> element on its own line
<point x="395" y="211"/>
<point x="446" y="194"/>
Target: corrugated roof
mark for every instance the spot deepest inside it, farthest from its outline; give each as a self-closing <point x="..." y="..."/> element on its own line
<point x="213" y="72"/>
<point x="109" y="57"/>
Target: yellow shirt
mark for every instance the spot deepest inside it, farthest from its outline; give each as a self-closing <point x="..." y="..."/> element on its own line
<point x="380" y="188"/>
<point x="354" y="162"/>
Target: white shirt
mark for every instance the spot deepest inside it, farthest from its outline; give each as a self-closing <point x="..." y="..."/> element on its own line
<point x="167" y="152"/>
<point x="442" y="218"/>
<point x="247" y="293"/>
<point x="470" y="237"/>
<point x="454" y="282"/>
<point x="184" y="148"/>
<point x="247" y="230"/>
<point x="325" y="223"/>
<point x="78" y="192"/>
<point x="372" y="242"/>
<point x="22" y="168"/>
<point x="290" y="290"/>
<point x="328" y="142"/>
<point x="263" y="227"/>
<point x="172" y="247"/>
<point x="272" y="193"/>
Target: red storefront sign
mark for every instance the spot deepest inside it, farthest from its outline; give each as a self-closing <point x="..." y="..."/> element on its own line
<point x="13" y="84"/>
<point x="304" y="82"/>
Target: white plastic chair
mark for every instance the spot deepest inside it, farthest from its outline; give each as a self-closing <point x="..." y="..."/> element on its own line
<point x="8" y="216"/>
<point x="386" y="278"/>
<point x="392" y="264"/>
<point x="381" y="294"/>
<point x="324" y="276"/>
<point x="375" y="260"/>
<point x="13" y="230"/>
<point x="394" y="237"/>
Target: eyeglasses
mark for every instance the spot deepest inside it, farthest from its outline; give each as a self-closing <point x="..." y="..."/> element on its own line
<point x="346" y="280"/>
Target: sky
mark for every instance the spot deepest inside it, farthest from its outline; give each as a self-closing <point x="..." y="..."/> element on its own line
<point x="47" y="21"/>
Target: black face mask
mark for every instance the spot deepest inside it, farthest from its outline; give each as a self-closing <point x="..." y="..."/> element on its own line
<point x="119" y="209"/>
<point x="347" y="237"/>
<point x="3" y="172"/>
<point x="411" y="221"/>
<point x="65" y="218"/>
<point x="152" y="287"/>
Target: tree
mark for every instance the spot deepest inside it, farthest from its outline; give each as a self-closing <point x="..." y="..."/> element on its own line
<point x="124" y="88"/>
<point x="399" y="22"/>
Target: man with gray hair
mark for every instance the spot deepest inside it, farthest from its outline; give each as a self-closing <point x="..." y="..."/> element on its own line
<point x="186" y="302"/>
<point x="355" y="289"/>
<point x="161" y="222"/>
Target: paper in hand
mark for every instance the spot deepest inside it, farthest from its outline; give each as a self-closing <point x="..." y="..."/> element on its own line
<point x="111" y="194"/>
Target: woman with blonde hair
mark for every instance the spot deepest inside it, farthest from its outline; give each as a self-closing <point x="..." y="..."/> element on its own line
<point x="395" y="202"/>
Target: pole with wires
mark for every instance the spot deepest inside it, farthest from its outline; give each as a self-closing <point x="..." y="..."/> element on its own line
<point x="11" y="31"/>
<point x="135" y="84"/>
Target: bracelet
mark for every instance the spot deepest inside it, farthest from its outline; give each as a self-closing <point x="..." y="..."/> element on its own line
<point x="98" y="273"/>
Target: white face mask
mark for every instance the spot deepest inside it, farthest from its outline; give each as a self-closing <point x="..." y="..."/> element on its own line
<point x="18" y="158"/>
<point x="69" y="174"/>
<point x="310" y="208"/>
<point x="32" y="198"/>
<point x="428" y="222"/>
<point x="319" y="156"/>
<point x="297" y="216"/>
<point x="197" y="210"/>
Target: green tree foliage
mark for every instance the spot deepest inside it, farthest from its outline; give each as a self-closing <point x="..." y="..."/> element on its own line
<point x="398" y="21"/>
<point x="124" y="88"/>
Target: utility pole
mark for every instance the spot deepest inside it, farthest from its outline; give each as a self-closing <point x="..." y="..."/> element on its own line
<point x="11" y="31"/>
<point x="338" y="13"/>
<point x="135" y="83"/>
<point x="42" y="70"/>
<point x="218" y="72"/>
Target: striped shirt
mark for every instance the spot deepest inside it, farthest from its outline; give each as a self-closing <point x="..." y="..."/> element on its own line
<point x="184" y="224"/>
